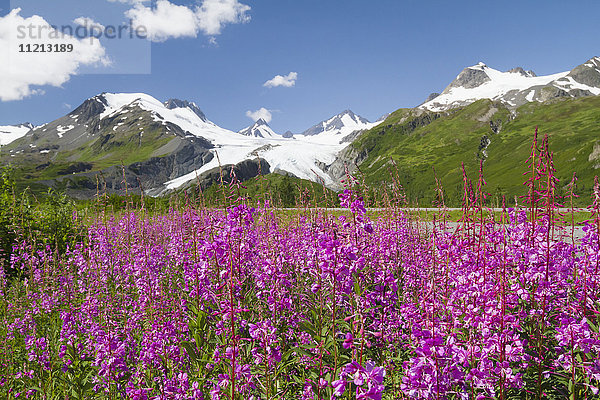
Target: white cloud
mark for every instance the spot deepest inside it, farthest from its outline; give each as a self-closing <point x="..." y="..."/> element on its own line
<point x="92" y="26"/>
<point x="164" y="22"/>
<point x="167" y="20"/>
<point x="286" y="81"/>
<point x="260" y="113"/>
<point x="214" y="14"/>
<point x="22" y="72"/>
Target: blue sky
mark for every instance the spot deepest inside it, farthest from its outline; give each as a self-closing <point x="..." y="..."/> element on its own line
<point x="369" y="56"/>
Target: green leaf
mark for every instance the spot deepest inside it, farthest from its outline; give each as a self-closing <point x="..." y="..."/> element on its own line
<point x="190" y="349"/>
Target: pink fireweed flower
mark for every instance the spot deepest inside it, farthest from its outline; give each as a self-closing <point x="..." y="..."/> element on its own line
<point x="348" y="342"/>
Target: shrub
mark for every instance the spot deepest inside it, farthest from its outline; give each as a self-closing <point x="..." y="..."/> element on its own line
<point x="49" y="223"/>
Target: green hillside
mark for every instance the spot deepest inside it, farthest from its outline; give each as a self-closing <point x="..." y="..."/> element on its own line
<point x="114" y="144"/>
<point x="419" y="141"/>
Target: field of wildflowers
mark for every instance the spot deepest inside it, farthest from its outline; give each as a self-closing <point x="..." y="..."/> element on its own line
<point x="252" y="303"/>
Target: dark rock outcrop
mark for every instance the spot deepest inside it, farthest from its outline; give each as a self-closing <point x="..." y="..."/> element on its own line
<point x="89" y="109"/>
<point x="521" y="71"/>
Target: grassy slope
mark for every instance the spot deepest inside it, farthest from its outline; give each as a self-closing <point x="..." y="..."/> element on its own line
<point x="573" y="128"/>
<point x="126" y="148"/>
<point x="449" y="139"/>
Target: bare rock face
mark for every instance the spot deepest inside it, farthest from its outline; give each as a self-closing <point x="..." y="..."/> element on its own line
<point x="347" y="160"/>
<point x="469" y="78"/>
<point x="587" y="73"/>
<point x="521" y="71"/>
<point x="550" y="92"/>
<point x="595" y="156"/>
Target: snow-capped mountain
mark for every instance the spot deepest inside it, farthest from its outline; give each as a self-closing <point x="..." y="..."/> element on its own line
<point x="343" y="122"/>
<point x="583" y="79"/>
<point x="259" y="129"/>
<point x="338" y="128"/>
<point x="183" y="114"/>
<point x="304" y="156"/>
<point x="110" y="120"/>
<point x="163" y="146"/>
<point x="516" y="87"/>
<point x="10" y="133"/>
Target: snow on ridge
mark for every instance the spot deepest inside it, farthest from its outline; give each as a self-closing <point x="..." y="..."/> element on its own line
<point x="116" y="101"/>
<point x="593" y="62"/>
<point x="299" y="155"/>
<point x="568" y="83"/>
<point x="337" y="135"/>
<point x="10" y="133"/>
<point x="481" y="66"/>
<point x="267" y="132"/>
<point x="185" y="118"/>
<point x="530" y="95"/>
<point x="337" y="128"/>
<point x="500" y="84"/>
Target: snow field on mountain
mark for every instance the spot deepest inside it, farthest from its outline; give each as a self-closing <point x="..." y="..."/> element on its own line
<point x="11" y="133"/>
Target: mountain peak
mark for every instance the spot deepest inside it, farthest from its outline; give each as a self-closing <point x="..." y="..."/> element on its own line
<point x="480" y="65"/>
<point x="176" y="103"/>
<point x="27" y="125"/>
<point x="470" y="77"/>
<point x="585" y="76"/>
<point x="259" y="129"/>
<point x="346" y="120"/>
<point x="112" y="103"/>
<point x="431" y="97"/>
<point x="593" y="62"/>
<point x="522" y="72"/>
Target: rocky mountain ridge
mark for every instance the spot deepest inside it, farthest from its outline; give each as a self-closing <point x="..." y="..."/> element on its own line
<point x="159" y="147"/>
<point x="515" y="87"/>
<point x="259" y="129"/>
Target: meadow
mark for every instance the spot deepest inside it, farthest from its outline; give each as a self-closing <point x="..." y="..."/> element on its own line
<point x="250" y="302"/>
